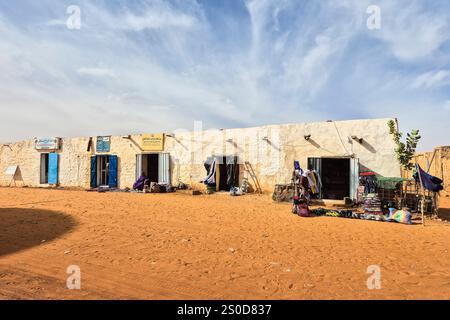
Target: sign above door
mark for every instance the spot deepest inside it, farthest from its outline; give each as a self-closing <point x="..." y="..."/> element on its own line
<point x="152" y="142"/>
<point x="47" y="143"/>
<point x="103" y="144"/>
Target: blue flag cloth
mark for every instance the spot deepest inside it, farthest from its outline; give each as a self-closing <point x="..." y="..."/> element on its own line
<point x="429" y="182"/>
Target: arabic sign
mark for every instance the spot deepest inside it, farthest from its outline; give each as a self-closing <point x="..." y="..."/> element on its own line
<point x="47" y="143"/>
<point x="103" y="144"/>
<point x="152" y="142"/>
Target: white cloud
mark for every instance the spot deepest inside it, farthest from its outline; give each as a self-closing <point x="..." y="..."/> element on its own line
<point x="152" y="15"/>
<point x="432" y="79"/>
<point x="157" y="20"/>
<point x="411" y="31"/>
<point x="447" y="105"/>
<point x="96" y="72"/>
<point x="56" y="22"/>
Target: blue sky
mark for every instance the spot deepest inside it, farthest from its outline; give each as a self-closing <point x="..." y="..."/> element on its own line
<point x="157" y="66"/>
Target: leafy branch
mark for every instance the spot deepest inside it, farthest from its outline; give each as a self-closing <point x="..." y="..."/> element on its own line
<point x="404" y="151"/>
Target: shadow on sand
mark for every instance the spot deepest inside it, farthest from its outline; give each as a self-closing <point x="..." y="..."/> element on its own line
<point x="444" y="214"/>
<point x="22" y="228"/>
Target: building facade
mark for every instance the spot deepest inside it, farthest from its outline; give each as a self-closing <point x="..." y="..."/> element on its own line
<point x="337" y="150"/>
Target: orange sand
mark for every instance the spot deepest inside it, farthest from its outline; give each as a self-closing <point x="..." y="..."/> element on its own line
<point x="177" y="246"/>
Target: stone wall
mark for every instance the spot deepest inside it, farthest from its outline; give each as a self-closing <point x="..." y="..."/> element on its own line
<point x="271" y="151"/>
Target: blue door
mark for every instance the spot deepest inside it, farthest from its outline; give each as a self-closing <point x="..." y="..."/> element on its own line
<point x="112" y="172"/>
<point x="53" y="168"/>
<point x="94" y="172"/>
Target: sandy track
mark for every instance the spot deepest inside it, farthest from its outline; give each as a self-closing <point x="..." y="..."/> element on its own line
<point x="176" y="246"/>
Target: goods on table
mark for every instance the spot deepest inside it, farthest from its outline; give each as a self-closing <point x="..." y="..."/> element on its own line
<point x="372" y="204"/>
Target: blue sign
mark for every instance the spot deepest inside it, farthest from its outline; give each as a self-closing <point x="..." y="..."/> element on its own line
<point x="103" y="144"/>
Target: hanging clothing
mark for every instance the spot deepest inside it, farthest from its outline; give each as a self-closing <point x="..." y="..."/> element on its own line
<point x="297" y="167"/>
<point x="308" y="181"/>
<point x="429" y="182"/>
<point x="313" y="182"/>
<point x="232" y="172"/>
<point x="210" y="180"/>
<point x="370" y="183"/>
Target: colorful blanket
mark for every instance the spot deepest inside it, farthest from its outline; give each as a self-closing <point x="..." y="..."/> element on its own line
<point x="400" y="216"/>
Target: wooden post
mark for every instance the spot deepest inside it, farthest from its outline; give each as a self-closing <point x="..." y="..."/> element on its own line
<point x="423" y="194"/>
<point x="432" y="159"/>
<point x="435" y="194"/>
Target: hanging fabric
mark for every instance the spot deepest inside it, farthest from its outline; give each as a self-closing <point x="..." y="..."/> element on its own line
<point x="429" y="182"/>
<point x="210" y="180"/>
<point x="297" y="167"/>
<point x="232" y="168"/>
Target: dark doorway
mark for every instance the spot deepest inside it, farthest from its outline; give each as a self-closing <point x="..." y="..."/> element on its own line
<point x="335" y="175"/>
<point x="44" y="168"/>
<point x="223" y="177"/>
<point x="150" y="166"/>
<point x="228" y="173"/>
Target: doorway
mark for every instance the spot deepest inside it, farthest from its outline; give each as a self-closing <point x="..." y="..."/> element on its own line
<point x="102" y="170"/>
<point x="227" y="173"/>
<point x="156" y="166"/>
<point x="150" y="166"/>
<point x="48" y="169"/>
<point x="335" y="178"/>
<point x="44" y="168"/>
<point x="339" y="177"/>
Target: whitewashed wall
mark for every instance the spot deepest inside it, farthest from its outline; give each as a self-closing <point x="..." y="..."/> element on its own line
<point x="272" y="158"/>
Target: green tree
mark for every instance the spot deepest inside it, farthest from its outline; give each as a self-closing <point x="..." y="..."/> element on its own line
<point x="404" y="150"/>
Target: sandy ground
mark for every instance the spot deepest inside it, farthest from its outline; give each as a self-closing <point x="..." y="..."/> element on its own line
<point x="177" y="246"/>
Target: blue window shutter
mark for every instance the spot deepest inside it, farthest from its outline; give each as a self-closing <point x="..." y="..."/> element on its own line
<point x="94" y="172"/>
<point x="112" y="172"/>
<point x="53" y="168"/>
